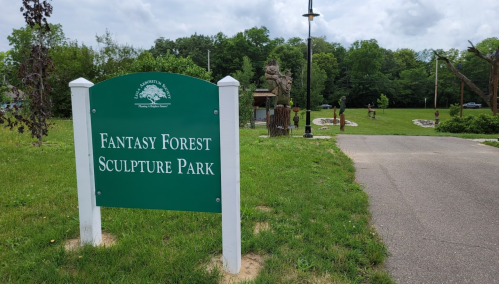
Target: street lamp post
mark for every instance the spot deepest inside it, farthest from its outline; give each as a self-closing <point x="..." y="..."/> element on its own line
<point x="310" y="15"/>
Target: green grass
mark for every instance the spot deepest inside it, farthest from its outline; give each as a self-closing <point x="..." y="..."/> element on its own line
<point x="318" y="218"/>
<point x="392" y="122"/>
<point x="492" y="143"/>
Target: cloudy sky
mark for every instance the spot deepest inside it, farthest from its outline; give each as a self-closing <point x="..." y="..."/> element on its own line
<point x="415" y="24"/>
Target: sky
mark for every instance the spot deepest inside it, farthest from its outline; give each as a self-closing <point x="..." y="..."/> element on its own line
<point x="414" y="24"/>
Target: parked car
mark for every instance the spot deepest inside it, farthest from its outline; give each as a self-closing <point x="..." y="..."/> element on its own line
<point x="472" y="105"/>
<point x="326" y="106"/>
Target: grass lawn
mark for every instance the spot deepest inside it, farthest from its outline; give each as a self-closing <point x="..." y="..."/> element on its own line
<point x="392" y="122"/>
<point x="313" y="220"/>
<point x="301" y="193"/>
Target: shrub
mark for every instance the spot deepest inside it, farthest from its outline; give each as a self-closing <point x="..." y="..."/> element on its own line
<point x="454" y="109"/>
<point x="480" y="124"/>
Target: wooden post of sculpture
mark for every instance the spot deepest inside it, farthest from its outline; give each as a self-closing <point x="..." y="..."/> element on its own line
<point x="334" y="120"/>
<point x="436" y="117"/>
<point x="369" y="110"/>
<point x="296" y="119"/>
<point x="267" y="111"/>
<point x="342" y="115"/>
<point x="279" y="85"/>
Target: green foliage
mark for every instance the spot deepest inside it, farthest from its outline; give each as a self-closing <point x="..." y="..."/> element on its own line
<point x="289" y="57"/>
<point x="454" y="109"/>
<point x="196" y="47"/>
<point x="3" y="97"/>
<point x="480" y="124"/>
<point x="329" y="64"/>
<point x="492" y="143"/>
<point x="383" y="102"/>
<point x="365" y="59"/>
<point x="412" y="87"/>
<point x="72" y="60"/>
<point x="113" y="57"/>
<point x="163" y="46"/>
<point x="34" y="112"/>
<point x="299" y="90"/>
<point x="146" y="62"/>
<point x="246" y="105"/>
<point x="245" y="75"/>
<point x="246" y="91"/>
<point x="21" y="41"/>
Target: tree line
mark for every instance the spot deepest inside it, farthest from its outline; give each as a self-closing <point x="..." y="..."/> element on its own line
<point x="361" y="72"/>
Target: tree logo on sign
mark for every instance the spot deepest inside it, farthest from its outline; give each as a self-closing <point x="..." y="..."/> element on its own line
<point x="153" y="91"/>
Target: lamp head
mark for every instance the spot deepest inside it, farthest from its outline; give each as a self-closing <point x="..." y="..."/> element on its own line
<point x="311" y="15"/>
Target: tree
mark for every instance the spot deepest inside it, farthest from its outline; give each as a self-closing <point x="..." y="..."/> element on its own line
<point x="245" y="105"/>
<point x="146" y="62"/>
<point x="196" y="47"/>
<point x="225" y="57"/>
<point x="328" y="63"/>
<point x="112" y="56"/>
<point x="71" y="60"/>
<point x="246" y="90"/>
<point x="163" y="46"/>
<point x="318" y="77"/>
<point x="493" y="61"/>
<point x="364" y="61"/>
<point x="35" y="72"/>
<point x="152" y="93"/>
<point x="289" y="58"/>
<point x="245" y="75"/>
<point x="5" y="69"/>
<point x="412" y="87"/>
<point x="382" y="102"/>
<point x="21" y="40"/>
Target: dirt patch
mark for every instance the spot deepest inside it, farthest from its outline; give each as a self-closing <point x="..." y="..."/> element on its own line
<point x="424" y="123"/>
<point x="108" y="240"/>
<point x="329" y="121"/>
<point x="260" y="227"/>
<point x="250" y="266"/>
<point x="263" y="208"/>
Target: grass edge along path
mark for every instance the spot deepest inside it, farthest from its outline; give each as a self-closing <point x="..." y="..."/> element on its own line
<point x="302" y="191"/>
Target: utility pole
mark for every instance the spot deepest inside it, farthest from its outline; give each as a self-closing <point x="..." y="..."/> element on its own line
<point x="208" y="60"/>
<point x="436" y="80"/>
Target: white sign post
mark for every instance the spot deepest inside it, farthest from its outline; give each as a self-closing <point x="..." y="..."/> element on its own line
<point x="89" y="213"/>
<point x="229" y="145"/>
<point x="90" y="220"/>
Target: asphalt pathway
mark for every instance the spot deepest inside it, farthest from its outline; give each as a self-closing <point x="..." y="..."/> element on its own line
<point x="435" y="202"/>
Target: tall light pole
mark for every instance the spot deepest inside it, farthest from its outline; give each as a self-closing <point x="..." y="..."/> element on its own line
<point x="208" y="60"/>
<point x="436" y="80"/>
<point x="310" y="15"/>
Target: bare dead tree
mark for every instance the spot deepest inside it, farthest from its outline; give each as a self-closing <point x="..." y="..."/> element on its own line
<point x="491" y="97"/>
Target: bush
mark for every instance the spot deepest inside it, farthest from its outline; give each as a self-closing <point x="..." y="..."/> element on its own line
<point x="480" y="124"/>
<point x="454" y="109"/>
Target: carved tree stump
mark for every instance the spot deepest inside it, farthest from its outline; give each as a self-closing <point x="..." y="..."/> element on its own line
<point x="279" y="122"/>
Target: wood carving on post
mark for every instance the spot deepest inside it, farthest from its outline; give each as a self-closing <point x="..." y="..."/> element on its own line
<point x="279" y="85"/>
<point x="342" y="115"/>
<point x="493" y="59"/>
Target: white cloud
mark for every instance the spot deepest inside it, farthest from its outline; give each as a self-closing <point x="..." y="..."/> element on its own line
<point x="416" y="24"/>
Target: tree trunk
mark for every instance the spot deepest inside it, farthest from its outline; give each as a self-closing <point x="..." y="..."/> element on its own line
<point x="279" y="122"/>
<point x="491" y="97"/>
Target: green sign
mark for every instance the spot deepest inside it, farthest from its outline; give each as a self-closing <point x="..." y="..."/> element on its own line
<point x="156" y="142"/>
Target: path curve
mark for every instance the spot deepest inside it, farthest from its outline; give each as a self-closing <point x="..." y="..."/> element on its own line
<point x="435" y="202"/>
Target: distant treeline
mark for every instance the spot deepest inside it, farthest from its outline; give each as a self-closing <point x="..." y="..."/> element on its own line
<point x="361" y="72"/>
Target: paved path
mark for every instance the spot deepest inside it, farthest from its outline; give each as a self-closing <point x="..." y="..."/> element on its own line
<point x="435" y="202"/>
